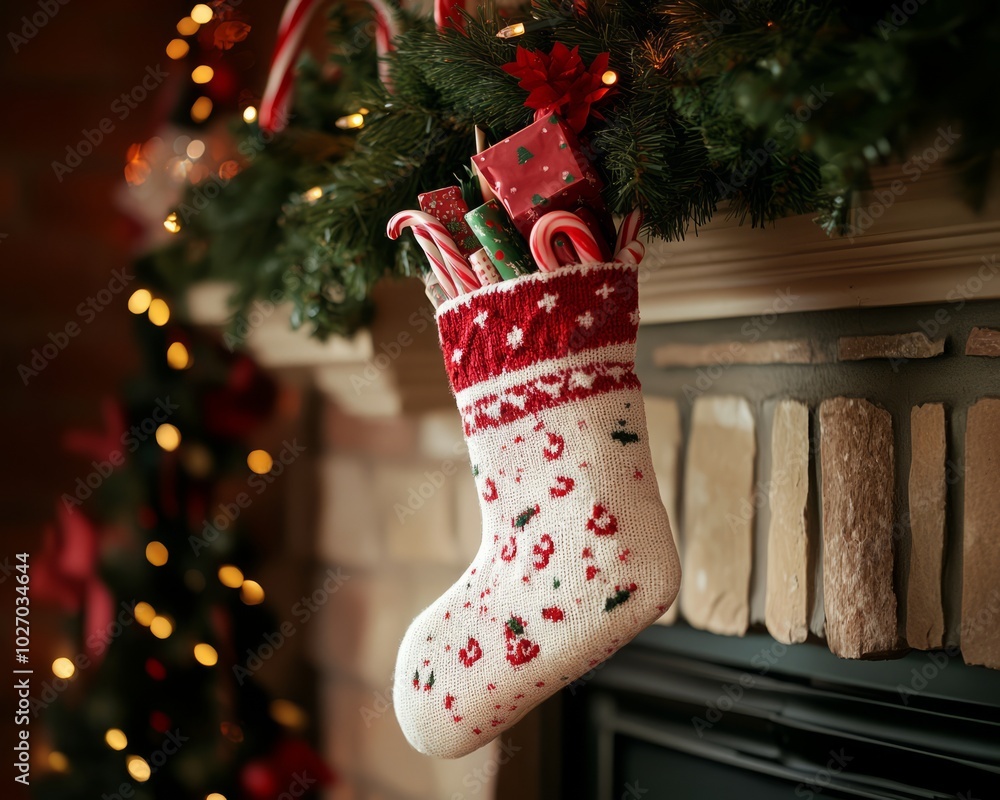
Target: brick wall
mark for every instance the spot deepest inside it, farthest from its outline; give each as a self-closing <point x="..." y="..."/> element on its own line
<point x="398" y="513"/>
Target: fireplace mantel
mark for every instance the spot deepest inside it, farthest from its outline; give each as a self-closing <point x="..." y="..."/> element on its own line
<point x="925" y="248"/>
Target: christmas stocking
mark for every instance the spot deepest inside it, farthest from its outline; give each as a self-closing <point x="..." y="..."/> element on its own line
<point x="577" y="555"/>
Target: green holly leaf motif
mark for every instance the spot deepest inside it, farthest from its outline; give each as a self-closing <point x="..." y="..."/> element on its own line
<point x="430" y="681"/>
<point x="416" y="676"/>
<point x="475" y="470"/>
<point x="569" y="177"/>
<point x="516" y="627"/>
<point x="524" y="517"/>
<point x="553" y="119"/>
<point x="563" y="145"/>
<point x="556" y="583"/>
<point x="617" y="599"/>
<point x="538" y="200"/>
<point x="524" y="155"/>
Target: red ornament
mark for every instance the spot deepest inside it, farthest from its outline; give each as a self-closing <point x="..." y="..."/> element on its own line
<point x="559" y="82"/>
<point x="155" y="669"/>
<point x="159" y="722"/>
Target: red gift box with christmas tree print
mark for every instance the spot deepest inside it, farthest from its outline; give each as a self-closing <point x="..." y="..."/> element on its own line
<point x="543" y="168"/>
<point x="449" y="208"/>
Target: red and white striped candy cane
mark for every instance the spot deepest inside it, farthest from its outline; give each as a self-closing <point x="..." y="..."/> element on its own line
<point x="436" y="261"/>
<point x="548" y="225"/>
<point x="277" y="99"/>
<point x="629" y="231"/>
<point x="462" y="275"/>
<point x="631" y="253"/>
<point x="447" y="15"/>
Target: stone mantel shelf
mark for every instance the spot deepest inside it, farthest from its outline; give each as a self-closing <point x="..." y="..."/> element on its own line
<point x="927" y="246"/>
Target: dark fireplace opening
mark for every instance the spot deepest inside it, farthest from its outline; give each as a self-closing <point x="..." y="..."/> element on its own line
<point x="681" y="714"/>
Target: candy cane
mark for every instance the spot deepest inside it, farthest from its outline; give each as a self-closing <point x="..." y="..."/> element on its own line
<point x="629" y="231"/>
<point x="572" y="226"/>
<point x="436" y="262"/>
<point x="446" y="14"/>
<point x="631" y="253"/>
<point x="462" y="275"/>
<point x="277" y="99"/>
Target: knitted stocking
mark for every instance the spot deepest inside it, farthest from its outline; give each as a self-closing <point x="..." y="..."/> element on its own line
<point x="577" y="555"/>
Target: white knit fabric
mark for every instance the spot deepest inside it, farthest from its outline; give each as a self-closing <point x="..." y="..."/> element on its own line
<point x="576" y="558"/>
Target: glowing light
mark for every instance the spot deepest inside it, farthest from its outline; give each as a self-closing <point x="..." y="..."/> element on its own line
<point x="58" y="762"/>
<point x="157" y="554"/>
<point x="350" y="121"/>
<point x="139" y="302"/>
<point x="201" y="109"/>
<point x="230" y="576"/>
<point x="609" y="78"/>
<point x="161" y="627"/>
<point x="215" y="796"/>
<point x="116" y="739"/>
<point x="144" y="613"/>
<point x="178" y="356"/>
<point x="252" y="593"/>
<point x="187" y="26"/>
<point x="138" y="768"/>
<point x="168" y="437"/>
<point x="159" y="312"/>
<point x="312" y="195"/>
<point x="206" y="655"/>
<point x="260" y="461"/>
<point x="202" y="74"/>
<point x="201" y="13"/>
<point x="177" y="48"/>
<point x="196" y="149"/>
<point x="286" y="713"/>
<point x="63" y="668"/>
<point x="249" y="114"/>
<point x="171" y="223"/>
<point x="517" y="29"/>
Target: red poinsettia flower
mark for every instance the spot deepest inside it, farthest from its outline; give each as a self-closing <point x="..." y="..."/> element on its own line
<point x="559" y="82"/>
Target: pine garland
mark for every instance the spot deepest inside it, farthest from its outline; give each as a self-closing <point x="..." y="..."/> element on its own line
<point x="763" y="108"/>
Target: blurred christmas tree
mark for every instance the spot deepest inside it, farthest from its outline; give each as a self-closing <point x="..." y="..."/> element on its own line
<point x="161" y="699"/>
<point x="155" y="694"/>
